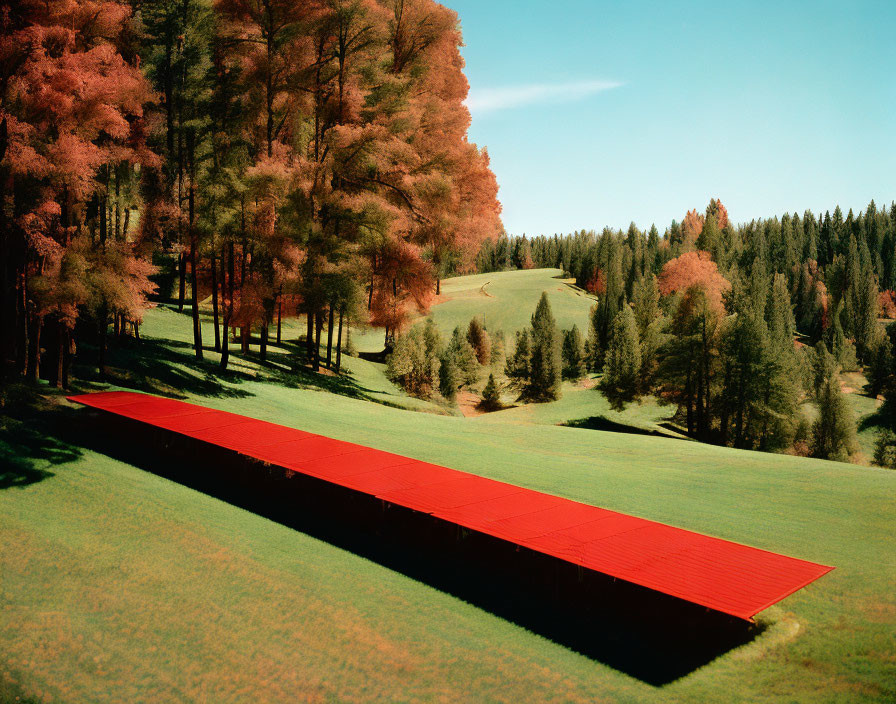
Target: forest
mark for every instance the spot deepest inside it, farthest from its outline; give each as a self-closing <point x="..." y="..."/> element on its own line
<point x="736" y="324"/>
<point x="273" y="159"/>
<point x="292" y="158"/>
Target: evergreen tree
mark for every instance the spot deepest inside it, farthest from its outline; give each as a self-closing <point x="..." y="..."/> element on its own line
<point x="780" y="315"/>
<point x="432" y="339"/>
<point x="834" y="431"/>
<point x="499" y="353"/>
<point x="517" y="367"/>
<point x="413" y="364"/>
<point x="491" y="395"/>
<point x="885" y="449"/>
<point x="880" y="367"/>
<point x="449" y="376"/>
<point x="646" y="304"/>
<point x="622" y="367"/>
<point x="824" y="366"/>
<point x="865" y="306"/>
<point x="573" y="354"/>
<point x="843" y="350"/>
<point x="544" y="362"/>
<point x="608" y="304"/>
<point x="464" y="357"/>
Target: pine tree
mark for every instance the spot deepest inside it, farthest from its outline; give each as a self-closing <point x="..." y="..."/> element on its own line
<point x="491" y="395"/>
<point x="544" y="362"/>
<point x="880" y="367"/>
<point x="622" y="367"/>
<point x="499" y="354"/>
<point x="833" y="433"/>
<point x="517" y="367"/>
<point x="464" y="357"/>
<point x="842" y="349"/>
<point x="449" y="376"/>
<point x="573" y="354"/>
<point x="779" y="314"/>
<point x="646" y="302"/>
<point x="609" y="303"/>
<point x="824" y="366"/>
<point x="885" y="449"/>
<point x="648" y="315"/>
<point x="413" y="364"/>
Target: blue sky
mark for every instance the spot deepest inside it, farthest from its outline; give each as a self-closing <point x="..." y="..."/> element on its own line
<point x="601" y="113"/>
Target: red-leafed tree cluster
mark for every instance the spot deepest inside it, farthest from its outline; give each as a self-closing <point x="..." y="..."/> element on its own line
<point x="293" y="156"/>
<point x="72" y="131"/>
<point x="694" y="270"/>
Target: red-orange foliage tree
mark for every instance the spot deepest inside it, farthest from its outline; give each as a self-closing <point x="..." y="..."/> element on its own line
<point x="691" y="227"/>
<point x="695" y="269"/>
<point x="71" y="121"/>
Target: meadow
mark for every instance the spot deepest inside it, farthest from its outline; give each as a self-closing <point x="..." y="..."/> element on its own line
<point x="119" y="585"/>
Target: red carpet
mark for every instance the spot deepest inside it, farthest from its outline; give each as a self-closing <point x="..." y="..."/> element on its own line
<point x="728" y="577"/>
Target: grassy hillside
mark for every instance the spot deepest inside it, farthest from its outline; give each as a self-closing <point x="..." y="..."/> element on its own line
<point x="118" y="585"/>
<point x="506" y="301"/>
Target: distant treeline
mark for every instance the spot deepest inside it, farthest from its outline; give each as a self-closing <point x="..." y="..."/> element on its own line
<point x="735" y="323"/>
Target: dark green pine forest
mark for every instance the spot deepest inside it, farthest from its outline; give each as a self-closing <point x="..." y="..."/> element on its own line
<point x="736" y="325"/>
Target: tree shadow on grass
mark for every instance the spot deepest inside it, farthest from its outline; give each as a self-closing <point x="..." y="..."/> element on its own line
<point x="170" y="368"/>
<point x="30" y="442"/>
<point x="164" y="368"/>
<point x="603" y="423"/>
<point x="647" y="635"/>
<point x="881" y="419"/>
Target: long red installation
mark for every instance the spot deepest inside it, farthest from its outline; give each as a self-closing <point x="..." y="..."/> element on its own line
<point x="728" y="577"/>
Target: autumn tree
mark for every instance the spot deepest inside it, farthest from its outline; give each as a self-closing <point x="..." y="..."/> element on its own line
<point x="479" y="339"/>
<point x="62" y="154"/>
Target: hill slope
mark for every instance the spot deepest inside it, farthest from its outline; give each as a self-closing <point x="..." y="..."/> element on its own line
<point x="119" y="585"/>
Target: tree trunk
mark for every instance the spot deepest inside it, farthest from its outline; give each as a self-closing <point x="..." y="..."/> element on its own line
<point x="245" y="332"/>
<point x="318" y="325"/>
<point x="21" y="319"/>
<point x="182" y="285"/>
<point x="263" y="344"/>
<point x="194" y="286"/>
<point x="330" y="321"/>
<point x="59" y="377"/>
<point x="194" y="244"/>
<point x="117" y="205"/>
<point x="438" y="285"/>
<point x="279" y="313"/>
<point x="103" y="323"/>
<point x="339" y="341"/>
<point x="228" y="306"/>
<point x="309" y="334"/>
<point x="67" y="357"/>
<point x="215" y="320"/>
<point x="34" y="327"/>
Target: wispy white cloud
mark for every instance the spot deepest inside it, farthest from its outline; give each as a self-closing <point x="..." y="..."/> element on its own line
<point x="484" y="100"/>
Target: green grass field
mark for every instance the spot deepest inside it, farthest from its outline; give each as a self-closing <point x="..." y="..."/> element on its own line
<point x="118" y="585"/>
<point x="506" y="301"/>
